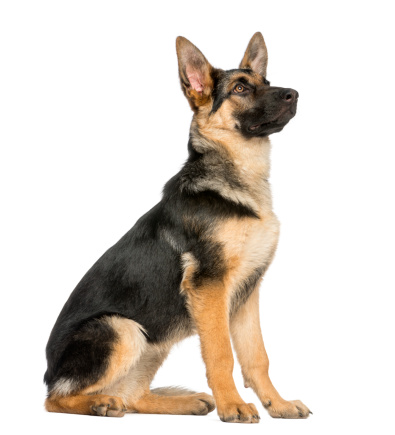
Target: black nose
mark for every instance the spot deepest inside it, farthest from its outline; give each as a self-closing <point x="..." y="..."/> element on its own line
<point x="289" y="95"/>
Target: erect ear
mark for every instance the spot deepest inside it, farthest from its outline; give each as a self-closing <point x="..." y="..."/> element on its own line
<point x="255" y="56"/>
<point x="195" y="73"/>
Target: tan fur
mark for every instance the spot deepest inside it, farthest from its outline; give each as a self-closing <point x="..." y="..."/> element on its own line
<point x="127" y="350"/>
<point x="137" y="381"/>
<point x="196" y="404"/>
<point x="97" y="404"/>
<point x="190" y="266"/>
<point x="126" y="353"/>
<point x="251" y="353"/>
<point x="209" y="307"/>
<point x="250" y="158"/>
<point x="133" y="365"/>
<point x="172" y="391"/>
<point x="248" y="243"/>
<point x="251" y="161"/>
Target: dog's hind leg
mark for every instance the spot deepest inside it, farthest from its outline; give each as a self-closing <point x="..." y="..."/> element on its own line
<point x="134" y="389"/>
<point x="100" y="354"/>
<point x="96" y="404"/>
<point x="174" y="401"/>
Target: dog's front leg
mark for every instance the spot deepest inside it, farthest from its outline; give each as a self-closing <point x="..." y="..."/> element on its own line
<point x="209" y="308"/>
<point x="247" y="339"/>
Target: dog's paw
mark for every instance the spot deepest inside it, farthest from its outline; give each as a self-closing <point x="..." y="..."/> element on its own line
<point x="108" y="406"/>
<point x="238" y="413"/>
<point x="285" y="409"/>
<point x="207" y="400"/>
<point x="198" y="404"/>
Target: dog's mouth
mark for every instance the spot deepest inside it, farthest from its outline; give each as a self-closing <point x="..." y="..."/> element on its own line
<point x="274" y="123"/>
<point x="279" y="122"/>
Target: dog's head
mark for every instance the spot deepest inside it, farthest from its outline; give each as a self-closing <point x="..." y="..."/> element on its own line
<point x="239" y="100"/>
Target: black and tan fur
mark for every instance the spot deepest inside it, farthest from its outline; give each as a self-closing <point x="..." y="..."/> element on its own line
<point x="192" y="264"/>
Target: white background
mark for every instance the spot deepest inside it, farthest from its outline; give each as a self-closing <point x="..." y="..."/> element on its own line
<point x="93" y="123"/>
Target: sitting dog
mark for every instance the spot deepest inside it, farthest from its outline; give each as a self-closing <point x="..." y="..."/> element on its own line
<point x="192" y="264"/>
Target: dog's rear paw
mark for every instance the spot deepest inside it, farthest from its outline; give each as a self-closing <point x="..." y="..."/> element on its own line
<point x="108" y="406"/>
<point x="207" y="400"/>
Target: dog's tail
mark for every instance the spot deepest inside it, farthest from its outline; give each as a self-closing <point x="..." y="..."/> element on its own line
<point x="172" y="391"/>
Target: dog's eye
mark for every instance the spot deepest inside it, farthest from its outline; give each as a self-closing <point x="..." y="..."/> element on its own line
<point x="238" y="89"/>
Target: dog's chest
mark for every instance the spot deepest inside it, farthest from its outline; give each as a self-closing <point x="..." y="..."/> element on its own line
<point x="249" y="246"/>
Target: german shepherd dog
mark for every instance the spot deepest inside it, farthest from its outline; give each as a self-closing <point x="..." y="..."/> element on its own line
<point x="192" y="264"/>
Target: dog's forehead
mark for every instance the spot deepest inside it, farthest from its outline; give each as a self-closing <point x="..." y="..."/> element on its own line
<point x="245" y="74"/>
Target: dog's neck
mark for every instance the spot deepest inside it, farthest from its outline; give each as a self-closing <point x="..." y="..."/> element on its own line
<point x="240" y="166"/>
